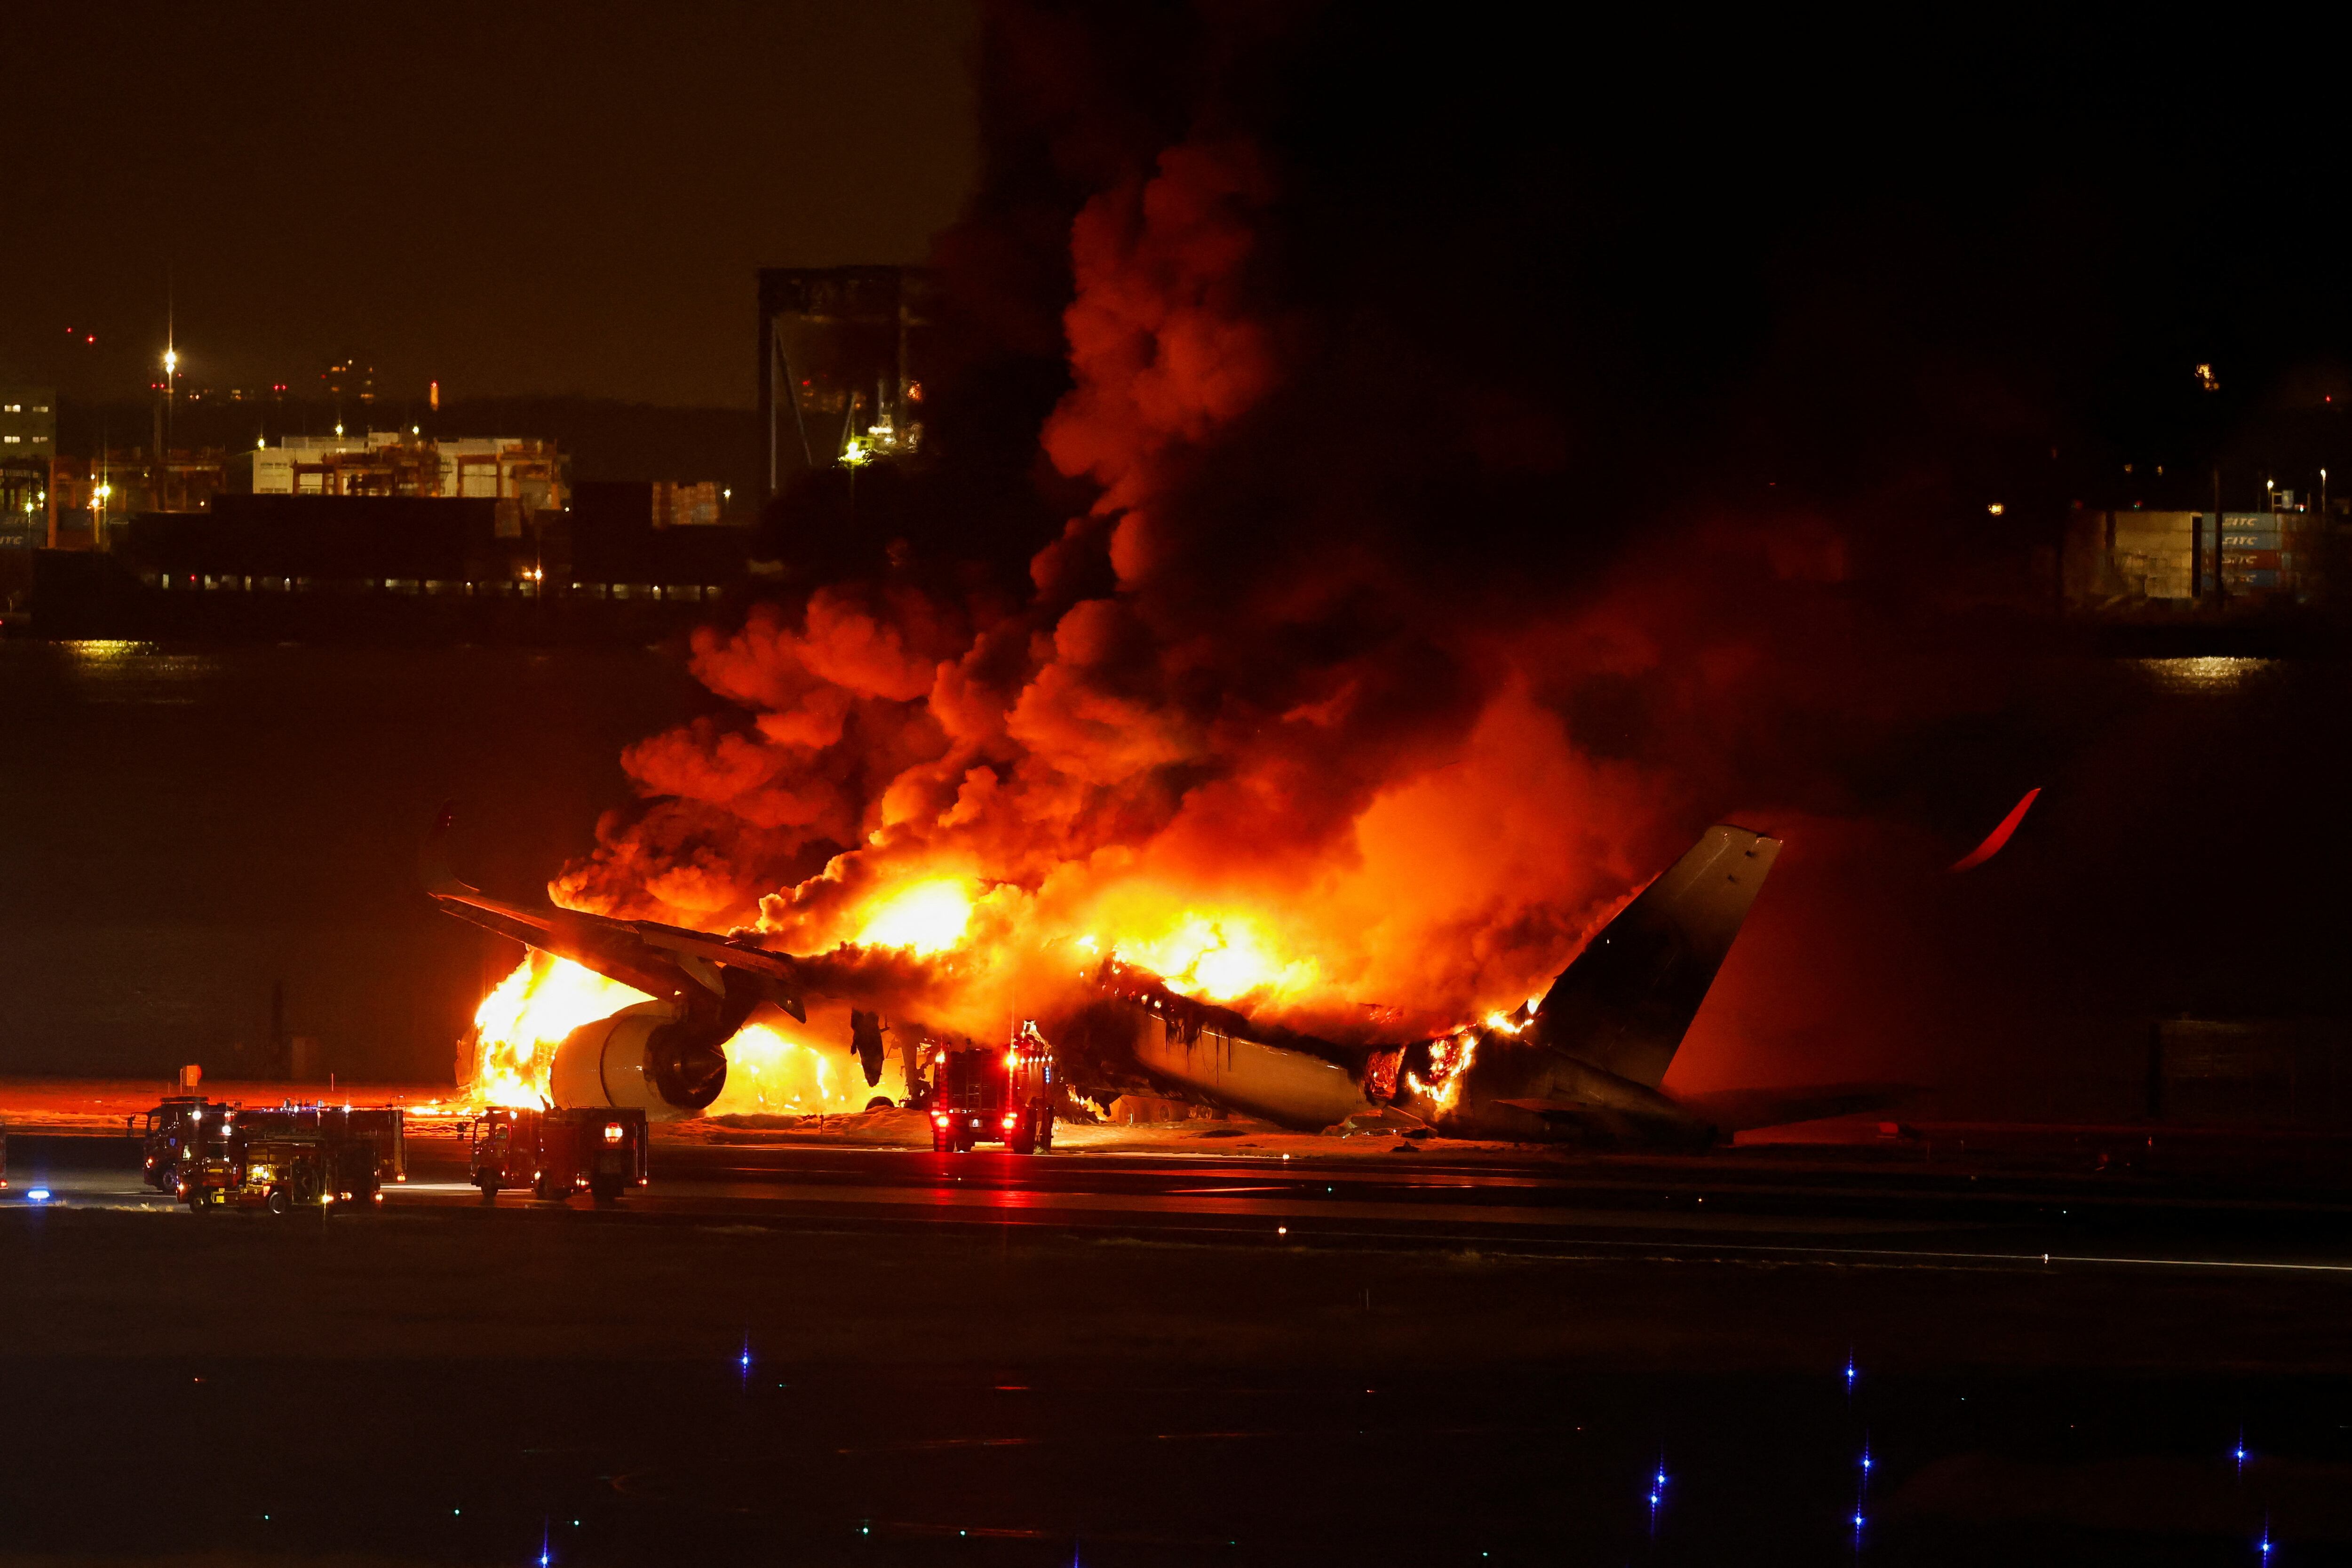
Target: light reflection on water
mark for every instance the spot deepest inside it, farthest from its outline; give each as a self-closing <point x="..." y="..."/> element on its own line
<point x="2209" y="675"/>
<point x="120" y="670"/>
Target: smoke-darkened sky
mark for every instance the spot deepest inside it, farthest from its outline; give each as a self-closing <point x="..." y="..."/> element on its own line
<point x="505" y="198"/>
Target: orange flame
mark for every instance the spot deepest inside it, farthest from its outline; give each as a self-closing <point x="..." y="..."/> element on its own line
<point x="926" y="917"/>
<point x="770" y="1073"/>
<point x="1449" y="1058"/>
<point x="526" y="1016"/>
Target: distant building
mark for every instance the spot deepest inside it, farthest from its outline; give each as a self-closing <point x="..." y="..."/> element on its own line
<point x="350" y="377"/>
<point x="28" y="423"/>
<point x="525" y="477"/>
<point x="2117" y="558"/>
<point x="842" y="358"/>
<point x="688" y="506"/>
<point x="29" y="448"/>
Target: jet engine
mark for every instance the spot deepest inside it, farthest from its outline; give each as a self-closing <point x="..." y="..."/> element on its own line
<point x="641" y="1059"/>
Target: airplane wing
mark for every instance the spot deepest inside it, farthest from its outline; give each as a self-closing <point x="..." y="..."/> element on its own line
<point x="663" y="960"/>
<point x="1574" y="1109"/>
<point x="1744" y="1109"/>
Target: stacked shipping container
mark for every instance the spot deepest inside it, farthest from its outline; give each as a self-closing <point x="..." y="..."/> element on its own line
<point x="2173" y="556"/>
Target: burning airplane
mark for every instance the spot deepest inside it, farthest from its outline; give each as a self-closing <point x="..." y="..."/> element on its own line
<point x="1287" y="717"/>
<point x="664" y="1051"/>
<point x="1584" y="1062"/>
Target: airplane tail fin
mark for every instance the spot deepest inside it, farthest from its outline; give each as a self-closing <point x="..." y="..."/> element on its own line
<point x="1624" y="1003"/>
<point x="433" y="857"/>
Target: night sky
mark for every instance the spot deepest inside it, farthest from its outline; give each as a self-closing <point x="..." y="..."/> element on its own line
<point x="552" y="199"/>
<point x="1844" y="259"/>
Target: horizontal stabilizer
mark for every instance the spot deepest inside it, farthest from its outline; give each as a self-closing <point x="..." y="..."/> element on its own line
<point x="1626" y="1001"/>
<point x="1548" y="1108"/>
<point x="1744" y="1109"/>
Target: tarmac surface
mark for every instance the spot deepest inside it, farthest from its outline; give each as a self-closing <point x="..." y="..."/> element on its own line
<point x="1161" y="1347"/>
<point x="1826" y="1202"/>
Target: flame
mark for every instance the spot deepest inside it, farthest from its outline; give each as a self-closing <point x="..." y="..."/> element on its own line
<point x="526" y="1016"/>
<point x="1220" y="958"/>
<point x="1449" y="1059"/>
<point x="924" y="917"/>
<point x="769" y="1074"/>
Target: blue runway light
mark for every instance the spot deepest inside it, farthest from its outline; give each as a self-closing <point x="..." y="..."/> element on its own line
<point x="37" y="1194"/>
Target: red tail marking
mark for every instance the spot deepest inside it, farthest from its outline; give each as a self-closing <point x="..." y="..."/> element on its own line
<point x="1999" y="836"/>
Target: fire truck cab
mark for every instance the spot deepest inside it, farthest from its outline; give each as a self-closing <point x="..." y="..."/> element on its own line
<point x="982" y="1096"/>
<point x="172" y="1129"/>
<point x="280" y="1173"/>
<point x="556" y="1154"/>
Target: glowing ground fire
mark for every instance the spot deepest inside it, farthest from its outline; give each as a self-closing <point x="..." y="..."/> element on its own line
<point x="526" y="1016"/>
<point x="520" y="1024"/>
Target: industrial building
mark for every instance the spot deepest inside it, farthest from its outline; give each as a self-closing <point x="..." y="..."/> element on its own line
<point x="2277" y="556"/>
<point x="843" y="351"/>
<point x="526" y="477"/>
<point x="29" y="448"/>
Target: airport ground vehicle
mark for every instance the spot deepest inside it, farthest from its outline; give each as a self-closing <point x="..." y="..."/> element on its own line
<point x="279" y="1172"/>
<point x="558" y="1152"/>
<point x="187" y="1124"/>
<point x="171" y="1128"/>
<point x="982" y="1096"/>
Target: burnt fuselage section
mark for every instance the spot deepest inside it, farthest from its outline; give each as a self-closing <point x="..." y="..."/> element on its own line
<point x="1584" y="1064"/>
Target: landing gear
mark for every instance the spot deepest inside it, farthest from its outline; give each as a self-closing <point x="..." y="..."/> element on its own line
<point x="1034" y="1133"/>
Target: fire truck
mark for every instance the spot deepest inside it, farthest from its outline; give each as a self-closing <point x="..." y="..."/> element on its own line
<point x="172" y="1128"/>
<point x="185" y="1125"/>
<point x="279" y="1171"/>
<point x="981" y="1096"/>
<point x="556" y="1154"/>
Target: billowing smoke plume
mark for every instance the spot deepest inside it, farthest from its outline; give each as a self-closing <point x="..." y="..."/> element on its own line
<point x="1361" y="678"/>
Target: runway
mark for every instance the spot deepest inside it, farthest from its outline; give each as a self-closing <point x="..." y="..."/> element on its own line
<point x="1727" y="1205"/>
<point x="810" y="1352"/>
